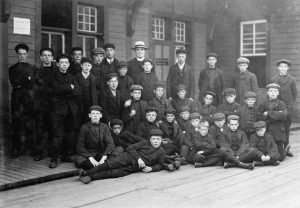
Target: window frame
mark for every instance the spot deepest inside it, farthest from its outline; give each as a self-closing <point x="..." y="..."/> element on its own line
<point x="177" y="29"/>
<point x="156" y="35"/>
<point x="55" y="33"/>
<point x="83" y="19"/>
<point x="83" y="43"/>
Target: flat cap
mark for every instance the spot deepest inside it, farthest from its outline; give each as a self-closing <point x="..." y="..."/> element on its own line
<point x="98" y="51"/>
<point x="122" y="64"/>
<point x="96" y="108"/>
<point x="184" y="109"/>
<point x="180" y="50"/>
<point x="180" y="87"/>
<point x="116" y="122"/>
<point x="62" y="56"/>
<point x="243" y="60"/>
<point x="148" y="60"/>
<point x="212" y="55"/>
<point x="86" y="60"/>
<point x="209" y="93"/>
<point x="111" y="75"/>
<point x="21" y="46"/>
<point x="273" y="85"/>
<point x="170" y="111"/>
<point x="195" y="115"/>
<point x="259" y="124"/>
<point x="286" y="61"/>
<point x="109" y="45"/>
<point x="233" y="117"/>
<point x="139" y="44"/>
<point x="218" y="116"/>
<point x="136" y="87"/>
<point x="250" y="94"/>
<point x="151" y="109"/>
<point x="158" y="84"/>
<point x="229" y="91"/>
<point x="155" y="132"/>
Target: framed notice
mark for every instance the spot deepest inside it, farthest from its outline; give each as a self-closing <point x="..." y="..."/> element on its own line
<point x="21" y="26"/>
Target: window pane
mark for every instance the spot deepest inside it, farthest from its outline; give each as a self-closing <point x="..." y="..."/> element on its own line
<point x="80" y="9"/>
<point x="45" y="40"/>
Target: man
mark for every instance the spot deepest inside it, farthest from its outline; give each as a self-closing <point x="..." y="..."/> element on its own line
<point x="98" y="56"/>
<point x="76" y="55"/>
<point x="20" y="76"/>
<point x="211" y="79"/>
<point x="181" y="73"/>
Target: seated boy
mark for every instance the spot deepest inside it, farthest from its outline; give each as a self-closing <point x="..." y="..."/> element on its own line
<point x="148" y="124"/>
<point x="159" y="102"/>
<point x="125" y="81"/>
<point x="134" y="109"/>
<point x="207" y="110"/>
<point x="218" y="128"/>
<point x="94" y="141"/>
<point x="265" y="149"/>
<point x="181" y="100"/>
<point x="230" y="106"/>
<point x="147" y="156"/>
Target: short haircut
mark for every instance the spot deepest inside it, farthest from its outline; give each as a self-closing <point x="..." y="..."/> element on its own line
<point x="204" y="123"/>
<point x="76" y="49"/>
<point x="62" y="56"/>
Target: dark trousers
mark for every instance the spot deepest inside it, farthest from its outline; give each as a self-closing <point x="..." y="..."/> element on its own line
<point x="87" y="165"/>
<point x="170" y="149"/>
<point x="256" y="156"/>
<point x="281" y="150"/>
<point x="41" y="132"/>
<point x="208" y="159"/>
<point x="227" y="155"/>
<point x="287" y="126"/>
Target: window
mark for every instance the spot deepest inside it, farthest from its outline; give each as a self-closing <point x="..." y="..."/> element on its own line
<point x="179" y="32"/>
<point x="86" y="19"/>
<point x="254" y="38"/>
<point x="54" y="40"/>
<point x="158" y="29"/>
<point x="88" y="43"/>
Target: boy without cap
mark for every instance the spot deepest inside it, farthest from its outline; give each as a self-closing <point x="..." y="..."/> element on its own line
<point x="229" y="106"/>
<point x="76" y="56"/>
<point x="149" y="123"/>
<point x="124" y="81"/>
<point x="181" y="100"/>
<point x="206" y="109"/>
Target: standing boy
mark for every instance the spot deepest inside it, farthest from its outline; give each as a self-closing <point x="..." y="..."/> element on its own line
<point x="76" y="56"/>
<point x="98" y="56"/>
<point x="124" y="81"/>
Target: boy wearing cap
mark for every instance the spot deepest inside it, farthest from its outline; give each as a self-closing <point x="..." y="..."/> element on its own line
<point x="88" y="90"/>
<point x="265" y="149"/>
<point x="134" y="109"/>
<point x="181" y="100"/>
<point x="149" y="123"/>
<point x="287" y="93"/>
<point x="274" y="112"/>
<point x="147" y="79"/>
<point x="212" y="79"/>
<point x="98" y="56"/>
<point x="181" y="73"/>
<point x="94" y="141"/>
<point x="206" y="109"/>
<point x="125" y="81"/>
<point x="75" y="62"/>
<point x="110" y="99"/>
<point x="20" y="77"/>
<point x="243" y="80"/>
<point x="64" y="102"/>
<point x="230" y="106"/>
<point x="218" y="128"/>
<point x="147" y="156"/>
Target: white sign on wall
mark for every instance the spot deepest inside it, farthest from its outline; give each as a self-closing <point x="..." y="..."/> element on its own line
<point x="21" y="26"/>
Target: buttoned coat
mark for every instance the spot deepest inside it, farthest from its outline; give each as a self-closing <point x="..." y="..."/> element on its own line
<point x="265" y="145"/>
<point x="112" y="105"/>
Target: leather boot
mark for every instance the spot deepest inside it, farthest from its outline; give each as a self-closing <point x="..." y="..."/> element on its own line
<point x="249" y="166"/>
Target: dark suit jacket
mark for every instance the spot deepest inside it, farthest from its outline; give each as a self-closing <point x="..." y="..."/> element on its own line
<point x="112" y="106"/>
<point x="265" y="145"/>
<point x="147" y="82"/>
<point x="106" y="69"/>
<point x="242" y="141"/>
<point x="177" y="132"/>
<point x="135" y="67"/>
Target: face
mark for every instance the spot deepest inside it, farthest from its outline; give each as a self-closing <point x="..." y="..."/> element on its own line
<point x="230" y="98"/>
<point x="211" y="62"/>
<point x="76" y="56"/>
<point x="208" y="99"/>
<point x="147" y="67"/>
<point x="63" y="65"/>
<point x="155" y="141"/>
<point x="243" y="67"/>
<point x="219" y="123"/>
<point x="261" y="132"/>
<point x="97" y="58"/>
<point x="203" y="130"/>
<point x="233" y="125"/>
<point x="250" y="101"/>
<point x="159" y="92"/>
<point x="46" y="57"/>
<point x="86" y="67"/>
<point x="110" y="52"/>
<point x="123" y="71"/>
<point x="170" y="118"/>
<point x="113" y="83"/>
<point x="273" y="93"/>
<point x="185" y="115"/>
<point x="151" y="116"/>
<point x="116" y="129"/>
<point x="136" y="94"/>
<point x="181" y="58"/>
<point x="181" y="94"/>
<point x="140" y="52"/>
<point x="283" y="68"/>
<point x="22" y="55"/>
<point x="95" y="116"/>
<point x="195" y="122"/>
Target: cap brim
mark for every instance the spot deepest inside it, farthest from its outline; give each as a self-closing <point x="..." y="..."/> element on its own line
<point x="140" y="47"/>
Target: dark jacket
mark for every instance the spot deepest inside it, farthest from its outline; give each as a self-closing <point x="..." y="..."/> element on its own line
<point x="126" y="138"/>
<point x="248" y="117"/>
<point x="74" y="68"/>
<point x="124" y="84"/>
<point x="219" y="136"/>
<point x="236" y="142"/>
<point x="207" y="112"/>
<point x="204" y="81"/>
<point x="146" y="80"/>
<point x="186" y="76"/>
<point x="230" y="109"/>
<point x="161" y="106"/>
<point x="265" y="145"/>
<point x="144" y="128"/>
<point x="202" y="143"/>
<point x="106" y="69"/>
<point x="96" y="71"/>
<point x="178" y="103"/>
<point x="135" y="67"/>
<point x="112" y="105"/>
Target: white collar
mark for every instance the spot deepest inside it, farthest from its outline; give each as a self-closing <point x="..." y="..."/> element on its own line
<point x="140" y="59"/>
<point x="85" y="75"/>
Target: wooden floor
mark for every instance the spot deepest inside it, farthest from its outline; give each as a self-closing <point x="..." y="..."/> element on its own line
<point x="189" y="187"/>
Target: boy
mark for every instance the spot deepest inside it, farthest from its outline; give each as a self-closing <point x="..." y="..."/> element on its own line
<point x="125" y="81"/>
<point x="159" y="102"/>
<point x="148" y="124"/>
<point x="147" y="79"/>
<point x="287" y="93"/>
<point x="134" y="109"/>
<point x="230" y="106"/>
<point x="147" y="156"/>
<point x="181" y="100"/>
<point x="76" y="56"/>
<point x="273" y="111"/>
<point x="110" y="99"/>
<point x="98" y="56"/>
<point x="94" y="141"/>
<point x="265" y="149"/>
<point x="207" y="110"/>
<point x="88" y="95"/>
<point x="243" y="80"/>
<point x="218" y="129"/>
<point x="249" y="114"/>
